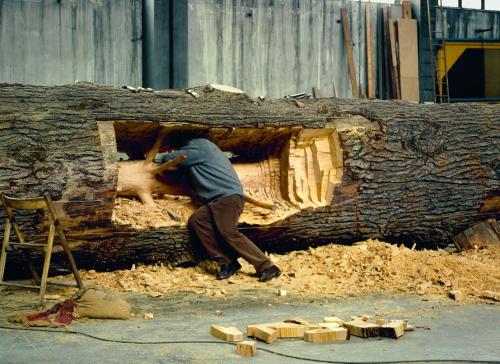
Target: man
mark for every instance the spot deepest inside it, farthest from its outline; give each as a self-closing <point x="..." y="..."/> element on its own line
<point x="214" y="223"/>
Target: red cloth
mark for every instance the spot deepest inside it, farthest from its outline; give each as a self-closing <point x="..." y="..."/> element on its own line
<point x="61" y="313"/>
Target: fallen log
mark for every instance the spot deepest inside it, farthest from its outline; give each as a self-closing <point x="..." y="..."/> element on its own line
<point x="335" y="170"/>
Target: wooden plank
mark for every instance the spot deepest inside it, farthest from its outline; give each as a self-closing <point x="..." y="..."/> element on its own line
<point x="226" y="333"/>
<point x="247" y="348"/>
<point x="265" y="334"/>
<point x="406" y="7"/>
<point x="362" y="328"/>
<point x="348" y="47"/>
<point x="391" y="52"/>
<point x="370" y="69"/>
<point x="393" y="329"/>
<point x="480" y="235"/>
<point x="408" y="59"/>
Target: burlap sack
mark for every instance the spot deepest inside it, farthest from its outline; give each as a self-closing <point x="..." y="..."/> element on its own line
<point x="98" y="304"/>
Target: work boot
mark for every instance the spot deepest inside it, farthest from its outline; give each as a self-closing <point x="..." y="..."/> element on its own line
<point x="269" y="273"/>
<point x="227" y="270"/>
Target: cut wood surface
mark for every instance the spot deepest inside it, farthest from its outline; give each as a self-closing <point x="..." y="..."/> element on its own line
<point x="265" y="334"/>
<point x="393" y="329"/>
<point x="324" y="335"/>
<point x="382" y="169"/>
<point x="226" y="333"/>
<point x="247" y="348"/>
<point x="362" y="328"/>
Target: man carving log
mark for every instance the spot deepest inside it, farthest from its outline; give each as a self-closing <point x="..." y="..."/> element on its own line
<point x="215" y="183"/>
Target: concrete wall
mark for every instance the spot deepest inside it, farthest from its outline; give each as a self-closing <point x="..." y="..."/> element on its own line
<point x="49" y="42"/>
<point x="269" y="47"/>
<point x="464" y="23"/>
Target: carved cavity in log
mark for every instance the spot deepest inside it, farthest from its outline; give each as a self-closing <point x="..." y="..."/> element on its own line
<point x="292" y="168"/>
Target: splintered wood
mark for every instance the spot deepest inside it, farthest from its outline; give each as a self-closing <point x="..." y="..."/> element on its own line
<point x="226" y="333"/>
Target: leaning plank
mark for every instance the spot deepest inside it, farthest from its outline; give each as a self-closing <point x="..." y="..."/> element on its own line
<point x="247" y="348"/>
<point x="265" y="334"/>
<point x="226" y="333"/>
<point x="370" y="69"/>
<point x="348" y="47"/>
<point x="362" y="328"/>
<point x="408" y="59"/>
<point x="393" y="329"/>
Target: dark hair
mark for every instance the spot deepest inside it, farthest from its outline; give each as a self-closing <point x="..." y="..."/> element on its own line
<point x="178" y="138"/>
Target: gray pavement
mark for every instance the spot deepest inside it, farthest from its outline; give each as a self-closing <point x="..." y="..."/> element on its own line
<point x="457" y="332"/>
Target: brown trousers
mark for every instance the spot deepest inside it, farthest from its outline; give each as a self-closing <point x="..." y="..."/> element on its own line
<point x="215" y="225"/>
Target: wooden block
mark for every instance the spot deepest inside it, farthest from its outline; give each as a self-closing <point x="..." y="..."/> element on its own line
<point x="281" y="292"/>
<point x="288" y="330"/>
<point x="319" y="336"/>
<point x="394" y="329"/>
<point x="283" y="329"/>
<point x="335" y="319"/>
<point x="341" y="333"/>
<point x="226" y="333"/>
<point x="362" y="328"/>
<point x="247" y="348"/>
<point x="265" y="334"/>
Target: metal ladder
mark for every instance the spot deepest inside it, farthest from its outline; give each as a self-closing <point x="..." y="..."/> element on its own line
<point x="437" y="39"/>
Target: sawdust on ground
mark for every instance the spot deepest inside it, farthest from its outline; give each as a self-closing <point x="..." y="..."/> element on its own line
<point x="334" y="270"/>
<point x="175" y="211"/>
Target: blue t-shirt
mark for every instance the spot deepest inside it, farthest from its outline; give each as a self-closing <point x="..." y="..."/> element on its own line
<point x="212" y="174"/>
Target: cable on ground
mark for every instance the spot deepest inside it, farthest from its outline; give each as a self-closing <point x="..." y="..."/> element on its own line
<point x="66" y="331"/>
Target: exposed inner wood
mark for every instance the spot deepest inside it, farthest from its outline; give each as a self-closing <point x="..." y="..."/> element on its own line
<point x="282" y="170"/>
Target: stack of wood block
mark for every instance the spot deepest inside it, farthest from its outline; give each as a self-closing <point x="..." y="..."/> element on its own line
<point x="332" y="329"/>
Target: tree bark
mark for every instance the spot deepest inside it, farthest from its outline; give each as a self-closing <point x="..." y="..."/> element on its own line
<point x="406" y="172"/>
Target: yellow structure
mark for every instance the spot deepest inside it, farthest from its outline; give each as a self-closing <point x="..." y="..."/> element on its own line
<point x="454" y="49"/>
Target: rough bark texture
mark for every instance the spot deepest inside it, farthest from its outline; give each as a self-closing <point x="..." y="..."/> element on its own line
<point x="412" y="172"/>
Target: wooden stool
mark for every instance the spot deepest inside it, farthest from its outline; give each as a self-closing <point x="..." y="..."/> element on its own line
<point x="45" y="203"/>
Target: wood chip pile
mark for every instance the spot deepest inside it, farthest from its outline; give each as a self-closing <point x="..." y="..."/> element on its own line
<point x="334" y="271"/>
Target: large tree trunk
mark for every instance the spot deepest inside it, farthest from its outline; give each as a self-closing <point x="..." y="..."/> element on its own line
<point x="340" y="170"/>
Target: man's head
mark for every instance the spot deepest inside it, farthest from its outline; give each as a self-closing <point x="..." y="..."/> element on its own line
<point x="179" y="138"/>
